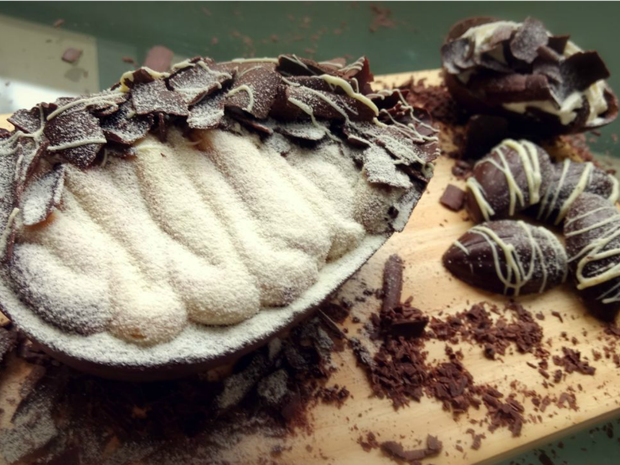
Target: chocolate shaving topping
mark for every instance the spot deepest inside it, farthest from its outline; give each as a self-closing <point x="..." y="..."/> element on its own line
<point x="27" y="121"/>
<point x="152" y="97"/>
<point x="200" y="78"/>
<point x="527" y="40"/>
<point x="583" y="69"/>
<point x="291" y="97"/>
<point x="75" y="136"/>
<point x="124" y="127"/>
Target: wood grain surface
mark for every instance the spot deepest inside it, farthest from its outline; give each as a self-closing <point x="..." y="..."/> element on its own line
<point x="429" y="233"/>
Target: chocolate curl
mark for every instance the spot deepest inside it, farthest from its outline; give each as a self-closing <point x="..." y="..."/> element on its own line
<point x="392" y="283"/>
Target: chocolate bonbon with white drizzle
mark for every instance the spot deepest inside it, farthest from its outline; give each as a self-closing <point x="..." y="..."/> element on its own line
<point x="173" y="199"/>
<point x="510" y="179"/>
<point x="542" y="83"/>
<point x="508" y="257"/>
<point x="570" y="180"/>
<point x="592" y="232"/>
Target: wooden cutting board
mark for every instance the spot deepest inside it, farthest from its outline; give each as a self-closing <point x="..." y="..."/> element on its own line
<point x="430" y="231"/>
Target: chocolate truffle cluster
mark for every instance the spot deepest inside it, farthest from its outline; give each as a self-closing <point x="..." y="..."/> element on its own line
<point x="544" y="82"/>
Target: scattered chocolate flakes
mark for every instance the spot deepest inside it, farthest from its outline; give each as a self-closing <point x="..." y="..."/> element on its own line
<point x="158" y="58"/>
<point x="453" y="198"/>
<point x="571" y="362"/>
<point x="71" y="55"/>
<point x="395" y="450"/>
<point x="199" y="79"/>
<point x="27" y="121"/>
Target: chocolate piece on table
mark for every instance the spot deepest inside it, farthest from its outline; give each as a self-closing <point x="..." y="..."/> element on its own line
<point x="508" y="257"/>
<point x="544" y="84"/>
<point x="570" y="179"/>
<point x="592" y="232"/>
<point x="453" y="198"/>
<point x="511" y="178"/>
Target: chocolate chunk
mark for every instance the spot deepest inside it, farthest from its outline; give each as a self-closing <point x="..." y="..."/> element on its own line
<point x="592" y="231"/>
<point x="153" y="97"/>
<point x="42" y="195"/>
<point x="71" y="55"/>
<point x="524" y="73"/>
<point x="199" y="79"/>
<point x="508" y="257"/>
<point x="453" y="198"/>
<point x="570" y="179"/>
<point x="302" y="131"/>
<point x="159" y="58"/>
<point x="124" y="126"/>
<point x="514" y="176"/>
<point x="528" y="39"/>
<point x="75" y="136"/>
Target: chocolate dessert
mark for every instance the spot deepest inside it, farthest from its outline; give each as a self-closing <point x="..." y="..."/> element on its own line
<point x="151" y="223"/>
<point x="509" y="179"/>
<point x="508" y="257"/>
<point x="542" y="82"/>
<point x="570" y="179"/>
<point x="592" y="231"/>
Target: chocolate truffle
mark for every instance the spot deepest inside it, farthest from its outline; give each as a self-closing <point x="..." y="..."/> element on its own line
<point x="508" y="180"/>
<point x="570" y="179"/>
<point x="543" y="82"/>
<point x="508" y="257"/>
<point x="592" y="231"/>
